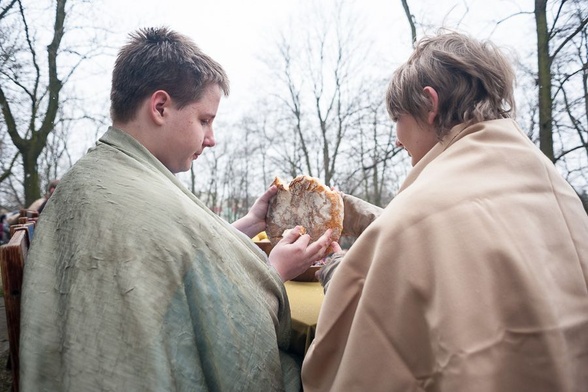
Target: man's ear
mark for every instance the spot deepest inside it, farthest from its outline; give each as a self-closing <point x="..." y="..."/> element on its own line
<point x="434" y="99"/>
<point x="159" y="103"/>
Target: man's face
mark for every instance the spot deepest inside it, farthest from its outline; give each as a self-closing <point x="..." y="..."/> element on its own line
<point x="189" y="131"/>
<point x="416" y="139"/>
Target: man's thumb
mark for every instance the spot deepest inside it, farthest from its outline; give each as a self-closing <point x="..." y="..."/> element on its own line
<point x="292" y="235"/>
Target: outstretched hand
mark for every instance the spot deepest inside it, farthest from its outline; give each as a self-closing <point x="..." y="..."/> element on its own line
<point x="293" y="254"/>
<point x="259" y="209"/>
<point x="254" y="221"/>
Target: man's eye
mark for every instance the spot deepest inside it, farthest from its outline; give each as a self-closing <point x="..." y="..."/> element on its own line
<point x="205" y="122"/>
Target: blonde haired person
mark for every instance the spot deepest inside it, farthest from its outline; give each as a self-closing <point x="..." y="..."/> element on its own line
<point x="474" y="277"/>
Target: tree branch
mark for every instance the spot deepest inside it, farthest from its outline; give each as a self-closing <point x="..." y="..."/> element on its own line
<point x="411" y="21"/>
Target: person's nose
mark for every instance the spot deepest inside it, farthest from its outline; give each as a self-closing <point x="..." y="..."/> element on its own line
<point x="398" y="144"/>
<point x="209" y="140"/>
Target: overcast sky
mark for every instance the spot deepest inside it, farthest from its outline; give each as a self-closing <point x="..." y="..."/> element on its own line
<point x="236" y="33"/>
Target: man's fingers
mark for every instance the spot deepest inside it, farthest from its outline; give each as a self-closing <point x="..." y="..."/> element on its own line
<point x="326" y="238"/>
<point x="292" y="235"/>
<point x="336" y="247"/>
<point x="319" y="247"/>
<point x="316" y="250"/>
<point x="269" y="193"/>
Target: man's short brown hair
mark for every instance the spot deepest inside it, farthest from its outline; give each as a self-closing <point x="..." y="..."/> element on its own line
<point x="161" y="59"/>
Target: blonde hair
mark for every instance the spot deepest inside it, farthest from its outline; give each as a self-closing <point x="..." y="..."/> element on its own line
<point x="473" y="79"/>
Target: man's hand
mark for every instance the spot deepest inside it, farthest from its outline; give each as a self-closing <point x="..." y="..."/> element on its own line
<point x="327" y="271"/>
<point x="293" y="255"/>
<point x="254" y="221"/>
<point x="259" y="209"/>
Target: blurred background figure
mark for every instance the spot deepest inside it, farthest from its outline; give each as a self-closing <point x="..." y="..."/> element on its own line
<point x="50" y="189"/>
<point x="4" y="228"/>
<point x="38" y="205"/>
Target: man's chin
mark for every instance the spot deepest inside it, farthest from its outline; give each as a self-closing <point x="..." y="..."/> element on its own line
<point x="182" y="169"/>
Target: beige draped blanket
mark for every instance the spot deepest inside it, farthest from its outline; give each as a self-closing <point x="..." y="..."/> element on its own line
<point x="474" y="278"/>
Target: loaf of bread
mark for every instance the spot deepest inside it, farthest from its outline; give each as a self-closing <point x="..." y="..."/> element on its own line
<point x="308" y="203"/>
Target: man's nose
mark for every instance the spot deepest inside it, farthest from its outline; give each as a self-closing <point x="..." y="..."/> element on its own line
<point x="209" y="140"/>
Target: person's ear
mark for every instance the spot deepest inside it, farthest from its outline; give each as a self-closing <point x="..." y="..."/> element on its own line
<point x="159" y="102"/>
<point x="434" y="99"/>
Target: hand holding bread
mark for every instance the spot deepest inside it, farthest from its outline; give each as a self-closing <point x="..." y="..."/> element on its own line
<point x="308" y="203"/>
<point x="295" y="252"/>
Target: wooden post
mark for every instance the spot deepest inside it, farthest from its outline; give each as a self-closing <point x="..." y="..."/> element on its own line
<point x="12" y="259"/>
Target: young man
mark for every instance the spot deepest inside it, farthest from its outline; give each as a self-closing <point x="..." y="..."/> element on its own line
<point x="475" y="276"/>
<point x="132" y="284"/>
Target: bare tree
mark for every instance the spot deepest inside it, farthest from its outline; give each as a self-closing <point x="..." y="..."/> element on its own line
<point x="36" y="66"/>
<point x="4" y="10"/>
<point x="207" y="173"/>
<point x="31" y="142"/>
<point x="320" y="74"/>
<point x="544" y="61"/>
<point x="376" y="164"/>
<point x="562" y="61"/>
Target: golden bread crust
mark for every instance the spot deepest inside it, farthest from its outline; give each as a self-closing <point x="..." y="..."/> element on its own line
<point x="305" y="202"/>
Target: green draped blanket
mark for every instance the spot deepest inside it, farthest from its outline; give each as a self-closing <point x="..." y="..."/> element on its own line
<point x="132" y="284"/>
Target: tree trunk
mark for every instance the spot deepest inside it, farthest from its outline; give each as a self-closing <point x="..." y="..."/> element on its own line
<point x="544" y="80"/>
<point x="32" y="186"/>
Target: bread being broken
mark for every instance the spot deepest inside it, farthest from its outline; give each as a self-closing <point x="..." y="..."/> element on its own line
<point x="305" y="202"/>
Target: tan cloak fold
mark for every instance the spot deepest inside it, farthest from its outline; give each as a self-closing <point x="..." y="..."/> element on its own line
<point x="474" y="278"/>
<point x="132" y="284"/>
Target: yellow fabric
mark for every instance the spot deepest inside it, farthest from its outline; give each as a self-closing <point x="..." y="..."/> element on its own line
<point x="474" y="278"/>
<point x="305" y="299"/>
